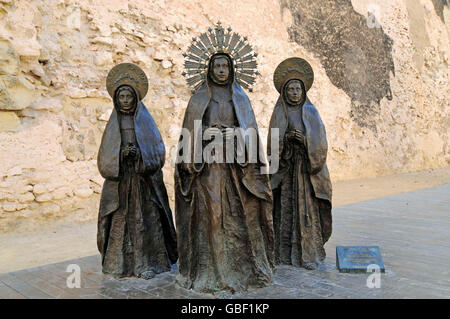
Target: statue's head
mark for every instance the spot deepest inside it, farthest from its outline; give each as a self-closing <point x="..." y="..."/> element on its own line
<point x="127" y="84"/>
<point x="220" y="69"/>
<point x="126" y="98"/>
<point x="217" y="48"/>
<point x="293" y="78"/>
<point x="294" y="91"/>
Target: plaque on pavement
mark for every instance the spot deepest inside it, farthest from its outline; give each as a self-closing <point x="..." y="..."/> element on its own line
<point x="357" y="259"/>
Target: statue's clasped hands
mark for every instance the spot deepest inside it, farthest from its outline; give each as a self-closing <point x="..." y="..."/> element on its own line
<point x="130" y="150"/>
<point x="227" y="133"/>
<point x="297" y="135"/>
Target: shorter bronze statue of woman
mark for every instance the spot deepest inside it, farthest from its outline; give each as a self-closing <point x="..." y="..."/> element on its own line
<point x="136" y="235"/>
<point x="301" y="187"/>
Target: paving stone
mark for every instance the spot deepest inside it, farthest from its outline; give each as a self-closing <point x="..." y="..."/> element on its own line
<point x="23" y="288"/>
<point x="9" y="293"/>
<point x="162" y="293"/>
<point x="93" y="296"/>
<point x="33" y="280"/>
<point x="61" y="282"/>
<point x="175" y="289"/>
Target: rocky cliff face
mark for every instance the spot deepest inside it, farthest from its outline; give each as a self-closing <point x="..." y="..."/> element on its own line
<point x="381" y="85"/>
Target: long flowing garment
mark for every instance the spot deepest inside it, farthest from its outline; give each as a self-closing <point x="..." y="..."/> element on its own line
<point x="227" y="242"/>
<point x="223" y="210"/>
<point x="136" y="239"/>
<point x="298" y="232"/>
<point x="301" y="187"/>
<point x="135" y="227"/>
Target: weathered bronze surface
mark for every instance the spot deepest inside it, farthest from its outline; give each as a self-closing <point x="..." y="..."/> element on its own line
<point x="223" y="210"/>
<point x="302" y="186"/>
<point x="136" y="235"/>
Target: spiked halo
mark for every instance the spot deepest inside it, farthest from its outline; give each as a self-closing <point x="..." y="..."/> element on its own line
<point x="219" y="40"/>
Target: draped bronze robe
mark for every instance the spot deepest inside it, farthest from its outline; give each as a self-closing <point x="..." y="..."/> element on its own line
<point x="135" y="226"/>
<point x="301" y="189"/>
<point x="223" y="212"/>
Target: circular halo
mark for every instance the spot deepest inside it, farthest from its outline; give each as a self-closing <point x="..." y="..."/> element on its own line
<point x="293" y="68"/>
<point x="127" y="74"/>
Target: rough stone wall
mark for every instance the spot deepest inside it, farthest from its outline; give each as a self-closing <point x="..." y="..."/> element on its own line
<point x="381" y="86"/>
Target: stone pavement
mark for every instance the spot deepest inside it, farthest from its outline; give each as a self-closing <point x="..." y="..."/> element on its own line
<point x="412" y="230"/>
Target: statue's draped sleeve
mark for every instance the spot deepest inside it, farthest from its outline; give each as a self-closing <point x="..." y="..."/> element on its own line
<point x="108" y="159"/>
<point x="316" y="138"/>
<point x="187" y="168"/>
<point x="277" y="121"/>
<point x="150" y="142"/>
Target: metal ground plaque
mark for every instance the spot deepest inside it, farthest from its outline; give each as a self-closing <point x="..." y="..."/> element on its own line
<point x="356" y="259"/>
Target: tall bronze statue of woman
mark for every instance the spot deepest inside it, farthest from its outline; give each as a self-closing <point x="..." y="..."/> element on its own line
<point x="136" y="235"/>
<point x="301" y="187"/>
<point x="222" y="209"/>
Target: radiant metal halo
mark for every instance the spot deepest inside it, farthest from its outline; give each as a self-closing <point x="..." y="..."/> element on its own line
<point x="219" y="40"/>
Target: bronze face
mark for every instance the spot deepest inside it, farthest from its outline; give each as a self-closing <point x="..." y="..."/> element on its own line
<point x="294" y="91"/>
<point x="126" y="99"/>
<point x="220" y="70"/>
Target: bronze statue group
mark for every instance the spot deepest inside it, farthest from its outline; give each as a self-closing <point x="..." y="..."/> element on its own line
<point x="233" y="221"/>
